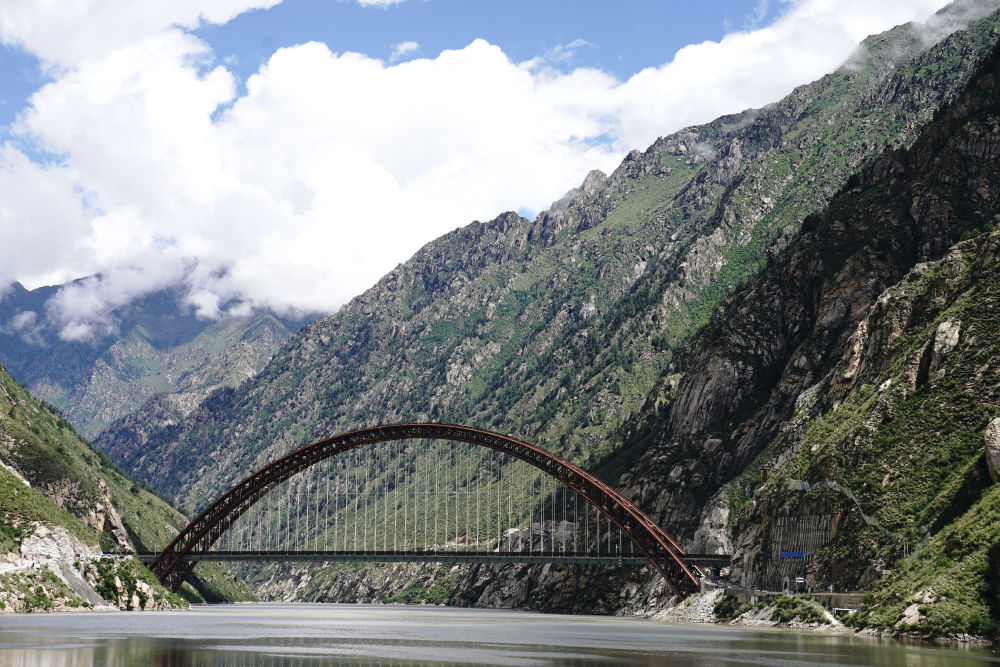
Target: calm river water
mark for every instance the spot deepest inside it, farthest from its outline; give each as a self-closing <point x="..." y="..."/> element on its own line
<point x="304" y="634"/>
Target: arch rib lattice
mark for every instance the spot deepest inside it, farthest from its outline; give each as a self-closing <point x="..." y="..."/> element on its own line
<point x="173" y="565"/>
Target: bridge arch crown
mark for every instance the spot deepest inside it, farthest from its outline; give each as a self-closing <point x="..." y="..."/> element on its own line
<point x="172" y="565"/>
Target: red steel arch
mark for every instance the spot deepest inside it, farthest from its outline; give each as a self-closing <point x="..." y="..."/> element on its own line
<point x="172" y="566"/>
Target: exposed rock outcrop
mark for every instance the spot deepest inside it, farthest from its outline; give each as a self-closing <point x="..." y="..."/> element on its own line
<point x="105" y="518"/>
<point x="992" y="438"/>
<point x="56" y="544"/>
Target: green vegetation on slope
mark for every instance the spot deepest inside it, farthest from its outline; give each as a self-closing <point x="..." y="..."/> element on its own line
<point x="20" y="505"/>
<point x="71" y="483"/>
<point x="900" y="462"/>
<point x="560" y="330"/>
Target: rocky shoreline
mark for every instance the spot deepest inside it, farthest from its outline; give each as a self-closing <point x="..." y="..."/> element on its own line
<point x="700" y="608"/>
<point x="56" y="571"/>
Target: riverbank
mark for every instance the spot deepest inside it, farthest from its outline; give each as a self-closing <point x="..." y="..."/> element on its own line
<point x="100" y="584"/>
<point x="711" y="607"/>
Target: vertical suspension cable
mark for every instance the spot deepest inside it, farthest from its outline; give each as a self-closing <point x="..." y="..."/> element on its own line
<point x="510" y="506"/>
<point x="357" y="497"/>
<point x="468" y="497"/>
<point x="447" y="499"/>
<point x="531" y="510"/>
<point x="520" y="510"/>
<point x="406" y="522"/>
<point x="385" y="499"/>
<point x="576" y="519"/>
<point x="564" y="518"/>
<point x="531" y="515"/>
<point x="426" y="480"/>
<point x="437" y="490"/>
<point x="254" y="533"/>
<point x="373" y="466"/>
<point x="288" y="516"/>
<point x="489" y="487"/>
<point x="338" y="494"/>
<point x="326" y="527"/>
<point x="412" y="494"/>
<point x="556" y="532"/>
<point x="541" y="518"/>
<point x="499" y="503"/>
<point x="340" y="485"/>
<point x="395" y="495"/>
<point x="314" y="500"/>
<point x="454" y="467"/>
<point x="367" y="493"/>
<point x="308" y="496"/>
<point x="501" y="524"/>
<point x="478" y="505"/>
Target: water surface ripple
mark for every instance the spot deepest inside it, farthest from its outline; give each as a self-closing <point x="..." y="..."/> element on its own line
<point x="318" y="634"/>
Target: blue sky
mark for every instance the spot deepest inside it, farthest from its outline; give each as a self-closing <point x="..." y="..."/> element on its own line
<point x="624" y="36"/>
<point x="288" y="154"/>
<point x="621" y="37"/>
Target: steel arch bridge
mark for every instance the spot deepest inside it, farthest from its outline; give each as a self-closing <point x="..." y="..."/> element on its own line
<point x="178" y="559"/>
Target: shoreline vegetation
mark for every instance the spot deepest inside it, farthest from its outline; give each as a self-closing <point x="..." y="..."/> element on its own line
<point x="101" y="583"/>
<point x="798" y="612"/>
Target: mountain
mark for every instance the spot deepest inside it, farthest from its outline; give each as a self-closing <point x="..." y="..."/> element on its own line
<point x="861" y="369"/>
<point x="61" y="498"/>
<point x="558" y="330"/>
<point x="154" y="345"/>
<point x="804" y="288"/>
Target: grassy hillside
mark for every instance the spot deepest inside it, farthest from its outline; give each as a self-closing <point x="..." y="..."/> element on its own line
<point x="77" y="487"/>
<point x="559" y="330"/>
<point x="862" y="369"/>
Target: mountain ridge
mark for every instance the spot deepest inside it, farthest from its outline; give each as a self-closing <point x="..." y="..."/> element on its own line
<point x="596" y="300"/>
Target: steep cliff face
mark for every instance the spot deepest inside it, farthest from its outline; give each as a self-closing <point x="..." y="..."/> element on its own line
<point x="890" y="458"/>
<point x="861" y="368"/>
<point x="558" y="330"/>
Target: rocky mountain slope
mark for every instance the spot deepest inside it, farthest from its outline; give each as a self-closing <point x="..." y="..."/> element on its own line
<point x="151" y="346"/>
<point x="575" y="332"/>
<point x="558" y="330"/>
<point x="861" y="368"/>
<point x="60" y="498"/>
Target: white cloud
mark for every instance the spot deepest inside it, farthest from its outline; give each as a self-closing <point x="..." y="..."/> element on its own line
<point x="753" y="68"/>
<point x="71" y="31"/>
<point x="378" y="3"/>
<point x="333" y="167"/>
<point x="403" y="49"/>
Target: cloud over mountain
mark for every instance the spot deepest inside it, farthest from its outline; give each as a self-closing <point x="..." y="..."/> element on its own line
<point x="145" y="162"/>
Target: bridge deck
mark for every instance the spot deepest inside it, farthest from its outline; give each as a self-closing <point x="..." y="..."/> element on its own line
<point x="708" y="560"/>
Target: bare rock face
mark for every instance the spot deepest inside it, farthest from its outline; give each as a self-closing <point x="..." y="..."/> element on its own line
<point x="992" y="437"/>
<point x="945" y="340"/>
<point x="105" y="517"/>
<point x="711" y="535"/>
<point x="56" y="544"/>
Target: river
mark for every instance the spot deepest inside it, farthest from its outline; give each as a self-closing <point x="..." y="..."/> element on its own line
<point x="313" y="634"/>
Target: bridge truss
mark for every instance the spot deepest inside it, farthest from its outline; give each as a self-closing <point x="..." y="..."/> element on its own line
<point x="369" y="504"/>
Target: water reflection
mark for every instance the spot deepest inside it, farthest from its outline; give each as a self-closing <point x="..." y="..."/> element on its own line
<point x="259" y="635"/>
